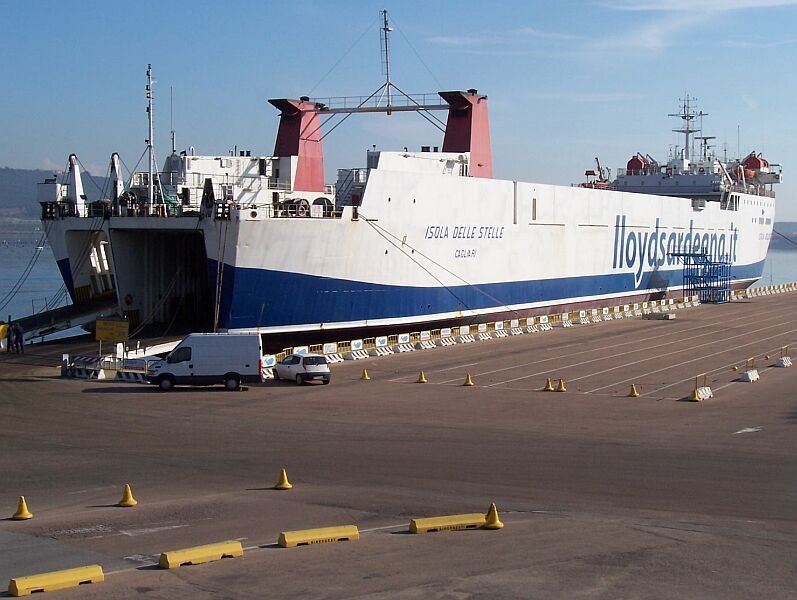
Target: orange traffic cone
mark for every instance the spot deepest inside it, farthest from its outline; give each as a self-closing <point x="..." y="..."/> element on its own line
<point x="22" y="510"/>
<point x="492" y="520"/>
<point x="127" y="497"/>
<point x="283" y="483"/>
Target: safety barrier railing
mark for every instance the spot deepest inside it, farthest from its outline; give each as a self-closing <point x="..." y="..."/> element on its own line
<point x="563" y="319"/>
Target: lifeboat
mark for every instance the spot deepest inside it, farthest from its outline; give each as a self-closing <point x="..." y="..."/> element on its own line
<point x="636" y="165"/>
<point x="755" y="162"/>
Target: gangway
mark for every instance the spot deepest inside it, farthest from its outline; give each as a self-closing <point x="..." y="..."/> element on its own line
<point x="709" y="280"/>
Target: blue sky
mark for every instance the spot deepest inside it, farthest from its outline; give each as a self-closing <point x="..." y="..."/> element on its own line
<point x="567" y="80"/>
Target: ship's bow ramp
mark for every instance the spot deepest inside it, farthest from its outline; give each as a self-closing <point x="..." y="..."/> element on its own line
<point x="161" y="274"/>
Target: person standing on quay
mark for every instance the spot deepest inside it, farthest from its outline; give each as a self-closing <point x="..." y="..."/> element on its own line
<point x="10" y="338"/>
<point x="19" y="338"/>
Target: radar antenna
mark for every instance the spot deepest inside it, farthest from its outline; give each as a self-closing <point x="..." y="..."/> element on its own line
<point x="688" y="116"/>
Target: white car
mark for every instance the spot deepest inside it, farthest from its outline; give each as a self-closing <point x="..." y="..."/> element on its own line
<point x="302" y="367"/>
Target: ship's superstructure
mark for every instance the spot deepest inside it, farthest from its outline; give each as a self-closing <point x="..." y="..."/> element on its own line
<point x="242" y="242"/>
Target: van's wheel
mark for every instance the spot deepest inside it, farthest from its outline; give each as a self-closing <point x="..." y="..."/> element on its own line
<point x="299" y="380"/>
<point x="232" y="382"/>
<point x="166" y="383"/>
<point x="326" y="381"/>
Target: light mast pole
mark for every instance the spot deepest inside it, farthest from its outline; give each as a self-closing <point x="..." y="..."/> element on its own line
<point x="150" y="146"/>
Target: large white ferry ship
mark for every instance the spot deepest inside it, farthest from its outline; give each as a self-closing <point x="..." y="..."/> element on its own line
<point x="429" y="238"/>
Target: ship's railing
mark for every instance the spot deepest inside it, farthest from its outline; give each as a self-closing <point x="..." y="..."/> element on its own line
<point x="756" y="190"/>
<point x="380" y="101"/>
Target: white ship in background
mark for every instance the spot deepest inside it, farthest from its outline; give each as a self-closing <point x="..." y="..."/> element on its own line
<point x="411" y="238"/>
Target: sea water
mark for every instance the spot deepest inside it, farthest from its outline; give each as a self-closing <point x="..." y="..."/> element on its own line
<point x="30" y="281"/>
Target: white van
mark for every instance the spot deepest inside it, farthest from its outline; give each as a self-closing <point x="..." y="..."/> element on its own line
<point x="208" y="359"/>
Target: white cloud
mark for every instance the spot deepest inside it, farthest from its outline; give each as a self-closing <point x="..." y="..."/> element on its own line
<point x="655" y="35"/>
<point x="512" y="36"/>
<point x="750" y="102"/>
<point x="587" y="97"/>
<point x="696" y="5"/>
<point x="758" y="44"/>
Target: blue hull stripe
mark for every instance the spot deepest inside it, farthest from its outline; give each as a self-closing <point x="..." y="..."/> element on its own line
<point x="66" y="275"/>
<point x="263" y="298"/>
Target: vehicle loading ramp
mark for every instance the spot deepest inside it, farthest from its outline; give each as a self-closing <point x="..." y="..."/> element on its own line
<point x="66" y="317"/>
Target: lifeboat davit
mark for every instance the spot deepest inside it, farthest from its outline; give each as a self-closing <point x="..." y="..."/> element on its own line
<point x="742" y="173"/>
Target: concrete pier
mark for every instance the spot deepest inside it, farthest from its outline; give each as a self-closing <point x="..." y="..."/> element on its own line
<point x="601" y="494"/>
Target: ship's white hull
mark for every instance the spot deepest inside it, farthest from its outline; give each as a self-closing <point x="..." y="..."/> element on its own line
<point x="431" y="248"/>
<point x="427" y="248"/>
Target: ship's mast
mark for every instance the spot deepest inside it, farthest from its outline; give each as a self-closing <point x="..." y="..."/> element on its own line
<point x="386" y="49"/>
<point x="688" y="116"/>
<point x="150" y="145"/>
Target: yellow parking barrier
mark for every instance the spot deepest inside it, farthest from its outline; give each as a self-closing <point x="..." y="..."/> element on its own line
<point x="55" y="580"/>
<point x="200" y="554"/>
<point x="448" y="523"/>
<point x="322" y="535"/>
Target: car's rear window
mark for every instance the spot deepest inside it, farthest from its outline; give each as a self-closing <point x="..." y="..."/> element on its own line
<point x="315" y="360"/>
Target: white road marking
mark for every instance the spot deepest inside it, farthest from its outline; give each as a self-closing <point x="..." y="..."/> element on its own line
<point x="383" y="528"/>
<point x="748" y="430"/>
<point x="690" y="336"/>
<point x="96" y="489"/>
<point x="81" y="530"/>
<point x="410" y="377"/>
<point x="139" y="558"/>
<point x="702" y="357"/>
<point x="686" y="362"/>
<point x="146" y="530"/>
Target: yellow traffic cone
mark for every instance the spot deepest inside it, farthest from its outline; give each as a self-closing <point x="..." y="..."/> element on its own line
<point x="468" y="380"/>
<point x="283" y="483"/>
<point x="561" y="387"/>
<point x="127" y="497"/>
<point x="22" y="510"/>
<point x="634" y="393"/>
<point x="695" y="397"/>
<point x="421" y="378"/>
<point x="492" y="520"/>
<point x="365" y="376"/>
<point x="548" y="385"/>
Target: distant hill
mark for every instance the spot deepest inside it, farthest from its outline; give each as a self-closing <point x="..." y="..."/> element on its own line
<point x="18" y="192"/>
<point x="785" y="236"/>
